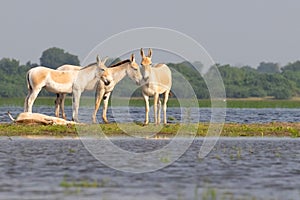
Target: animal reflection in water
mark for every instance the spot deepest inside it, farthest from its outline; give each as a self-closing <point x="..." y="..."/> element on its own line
<point x="157" y="80"/>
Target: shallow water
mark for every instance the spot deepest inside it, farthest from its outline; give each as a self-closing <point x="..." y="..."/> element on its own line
<point x="235" y="169"/>
<point x="124" y="114"/>
<point x="251" y="168"/>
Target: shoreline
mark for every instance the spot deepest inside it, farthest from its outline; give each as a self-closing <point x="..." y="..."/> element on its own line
<point x="34" y="137"/>
<point x="253" y="102"/>
<point x="112" y="130"/>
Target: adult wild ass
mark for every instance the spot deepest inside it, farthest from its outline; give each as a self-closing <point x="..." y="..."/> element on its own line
<point x="157" y="80"/>
<point x="117" y="72"/>
<point x="64" y="82"/>
<point x="60" y="97"/>
<point x="88" y="81"/>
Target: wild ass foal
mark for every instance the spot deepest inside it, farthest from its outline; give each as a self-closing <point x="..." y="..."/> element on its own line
<point x="117" y="72"/>
<point x="63" y="82"/>
<point x="157" y="80"/>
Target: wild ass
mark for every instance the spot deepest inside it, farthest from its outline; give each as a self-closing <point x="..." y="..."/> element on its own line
<point x="38" y="118"/>
<point x="117" y="72"/>
<point x="63" y="82"/>
<point x="157" y="80"/>
<point x="88" y="81"/>
<point x="60" y="97"/>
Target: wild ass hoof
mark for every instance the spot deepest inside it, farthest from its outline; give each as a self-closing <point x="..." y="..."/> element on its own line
<point x="106" y="121"/>
<point x="75" y="120"/>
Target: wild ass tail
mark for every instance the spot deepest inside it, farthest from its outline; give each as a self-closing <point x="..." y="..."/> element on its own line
<point x="28" y="81"/>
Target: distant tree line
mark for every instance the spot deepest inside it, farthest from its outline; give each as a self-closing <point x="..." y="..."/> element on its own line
<point x="269" y="79"/>
<point x="12" y="73"/>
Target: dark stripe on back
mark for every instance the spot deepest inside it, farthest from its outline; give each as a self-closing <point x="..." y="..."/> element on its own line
<point x="114" y="65"/>
<point x="120" y="63"/>
<point x="89" y="65"/>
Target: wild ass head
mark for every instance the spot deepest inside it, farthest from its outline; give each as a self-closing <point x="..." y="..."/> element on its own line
<point x="146" y="63"/>
<point x="104" y="73"/>
<point x="134" y="70"/>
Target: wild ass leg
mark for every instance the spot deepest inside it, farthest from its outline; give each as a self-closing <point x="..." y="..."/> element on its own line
<point x="165" y="106"/>
<point x="75" y="104"/>
<point x="158" y="110"/>
<point x="146" y="98"/>
<point x="30" y="99"/>
<point x="26" y="101"/>
<point x="57" y="104"/>
<point x="156" y="96"/>
<point x="105" y="105"/>
<point x="62" y="105"/>
<point x="99" y="96"/>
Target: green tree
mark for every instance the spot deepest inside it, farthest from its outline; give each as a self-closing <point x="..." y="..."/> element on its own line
<point x="31" y="65"/>
<point x="192" y="76"/>
<point x="268" y="67"/>
<point x="55" y="57"/>
<point x="9" y="66"/>
<point x="12" y="78"/>
<point x="292" y="72"/>
<point x="257" y="92"/>
<point x="282" y="93"/>
<point x="277" y="85"/>
<point x="245" y="82"/>
<point x="295" y="66"/>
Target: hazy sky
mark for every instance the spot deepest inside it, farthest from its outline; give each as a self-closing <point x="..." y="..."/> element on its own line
<point x="242" y="32"/>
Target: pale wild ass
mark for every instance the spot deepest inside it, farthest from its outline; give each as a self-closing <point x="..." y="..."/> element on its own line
<point x="115" y="74"/>
<point x="71" y="81"/>
<point x="157" y="80"/>
<point x="60" y="97"/>
<point x="38" y="118"/>
<point x="88" y="81"/>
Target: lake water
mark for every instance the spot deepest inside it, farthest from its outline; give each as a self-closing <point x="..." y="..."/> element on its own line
<point x="247" y="168"/>
<point x="235" y="169"/>
<point x="124" y="114"/>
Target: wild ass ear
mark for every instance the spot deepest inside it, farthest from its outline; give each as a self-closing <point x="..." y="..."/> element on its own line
<point x="104" y="60"/>
<point x="142" y="53"/>
<point x="149" y="53"/>
<point x="98" y="60"/>
<point x="132" y="59"/>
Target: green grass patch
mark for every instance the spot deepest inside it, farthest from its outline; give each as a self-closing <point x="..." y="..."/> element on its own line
<point x="276" y="129"/>
<point x="83" y="183"/>
<point x="262" y="103"/>
<point x="37" y="130"/>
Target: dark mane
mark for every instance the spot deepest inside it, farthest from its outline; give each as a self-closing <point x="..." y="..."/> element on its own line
<point x="114" y="65"/>
<point x="88" y="65"/>
<point x="120" y="63"/>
